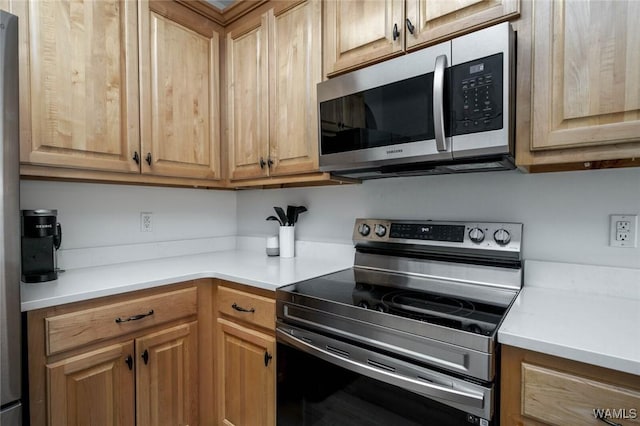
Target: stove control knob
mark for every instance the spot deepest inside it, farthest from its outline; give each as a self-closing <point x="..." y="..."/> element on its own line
<point x="364" y="229"/>
<point x="476" y="235"/>
<point x="363" y="304"/>
<point x="502" y="237"/>
<point x="380" y="230"/>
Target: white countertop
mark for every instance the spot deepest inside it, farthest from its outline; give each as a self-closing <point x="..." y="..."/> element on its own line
<point x="583" y="313"/>
<point x="589" y="314"/>
<point x="250" y="267"/>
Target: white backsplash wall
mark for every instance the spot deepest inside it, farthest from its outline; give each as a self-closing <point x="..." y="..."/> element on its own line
<point x="565" y="215"/>
<point x="99" y="215"/>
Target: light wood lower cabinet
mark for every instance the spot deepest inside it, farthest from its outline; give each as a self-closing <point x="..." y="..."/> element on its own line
<point x="246" y="358"/>
<point x="93" y="388"/>
<point x="145" y="375"/>
<point x="247" y="365"/>
<point x="538" y="389"/>
<point x="166" y="377"/>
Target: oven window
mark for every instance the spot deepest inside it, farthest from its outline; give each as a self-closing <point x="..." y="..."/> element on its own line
<point x="314" y="392"/>
<point x="393" y="114"/>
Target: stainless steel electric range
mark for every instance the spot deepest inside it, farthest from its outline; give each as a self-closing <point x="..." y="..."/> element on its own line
<point x="406" y="336"/>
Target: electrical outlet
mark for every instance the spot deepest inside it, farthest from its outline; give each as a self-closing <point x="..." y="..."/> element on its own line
<point x="623" y="230"/>
<point x="623" y="225"/>
<point x="146" y="224"/>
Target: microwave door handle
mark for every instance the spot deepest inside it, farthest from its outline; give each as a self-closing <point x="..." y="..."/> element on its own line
<point x="438" y="102"/>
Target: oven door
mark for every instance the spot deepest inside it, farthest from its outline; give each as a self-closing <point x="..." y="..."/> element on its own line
<point x="324" y="381"/>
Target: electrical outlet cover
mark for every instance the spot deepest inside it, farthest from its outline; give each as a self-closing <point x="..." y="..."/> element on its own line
<point x="146" y="223"/>
<point x="623" y="230"/>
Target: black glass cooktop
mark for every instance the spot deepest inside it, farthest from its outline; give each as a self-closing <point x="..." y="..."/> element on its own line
<point x="418" y="304"/>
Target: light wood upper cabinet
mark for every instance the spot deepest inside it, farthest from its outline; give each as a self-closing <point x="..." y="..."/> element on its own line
<point x="94" y="388"/>
<point x="435" y="21"/>
<point x="295" y="68"/>
<point x="179" y="86"/>
<point x="118" y="90"/>
<point x="586" y="78"/>
<point x="79" y="84"/>
<point x="360" y="32"/>
<point x="167" y="377"/>
<point x="578" y="97"/>
<point x="248" y="104"/>
<point x="273" y="66"/>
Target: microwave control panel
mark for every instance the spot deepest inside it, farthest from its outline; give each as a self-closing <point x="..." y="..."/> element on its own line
<point x="476" y="87"/>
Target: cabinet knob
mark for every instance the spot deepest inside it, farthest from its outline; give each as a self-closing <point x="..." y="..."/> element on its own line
<point x="396" y="33"/>
<point x="267" y="358"/>
<point x="270" y="162"/>
<point x="148" y="158"/>
<point x="129" y="361"/>
<point x="145" y="357"/>
<point x="262" y="163"/>
<point x="136" y="157"/>
<point x="410" y="26"/>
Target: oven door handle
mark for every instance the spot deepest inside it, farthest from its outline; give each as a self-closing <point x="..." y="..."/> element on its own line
<point x="424" y="388"/>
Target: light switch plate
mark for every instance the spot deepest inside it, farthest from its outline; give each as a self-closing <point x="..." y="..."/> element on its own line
<point x="623" y="230"/>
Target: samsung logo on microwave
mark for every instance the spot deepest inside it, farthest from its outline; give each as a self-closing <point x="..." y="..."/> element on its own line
<point x="394" y="151"/>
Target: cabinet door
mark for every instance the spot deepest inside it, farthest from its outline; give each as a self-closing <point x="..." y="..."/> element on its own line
<point x="435" y="21"/>
<point x="95" y="388"/>
<point x="248" y="103"/>
<point x="357" y="32"/>
<point x="294" y="71"/>
<point x="180" y="124"/>
<point x="539" y="389"/>
<point x="586" y="83"/>
<point x="82" y="74"/>
<point x="166" y="374"/>
<point x="246" y="376"/>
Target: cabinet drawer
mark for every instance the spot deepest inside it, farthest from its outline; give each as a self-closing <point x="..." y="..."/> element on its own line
<point x="247" y="307"/>
<point x="559" y="398"/>
<point x="101" y="322"/>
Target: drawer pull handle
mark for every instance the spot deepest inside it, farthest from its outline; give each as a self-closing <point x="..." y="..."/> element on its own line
<point x="241" y="309"/>
<point x="134" y="317"/>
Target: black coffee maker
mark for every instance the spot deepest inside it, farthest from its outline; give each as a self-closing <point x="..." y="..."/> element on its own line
<point x="41" y="237"/>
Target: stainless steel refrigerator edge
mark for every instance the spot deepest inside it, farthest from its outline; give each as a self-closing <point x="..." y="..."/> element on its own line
<point x="10" y="317"/>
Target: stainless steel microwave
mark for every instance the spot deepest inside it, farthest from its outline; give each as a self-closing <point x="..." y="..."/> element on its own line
<point x="447" y="108"/>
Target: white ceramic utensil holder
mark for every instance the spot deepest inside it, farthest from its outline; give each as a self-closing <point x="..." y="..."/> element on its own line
<point x="287" y="241"/>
